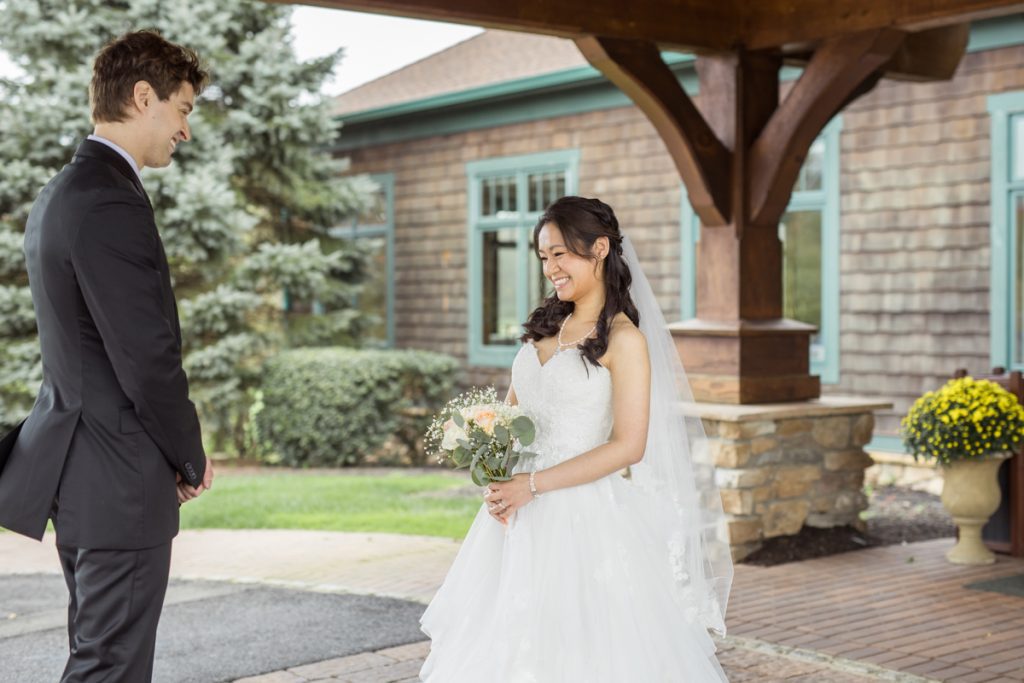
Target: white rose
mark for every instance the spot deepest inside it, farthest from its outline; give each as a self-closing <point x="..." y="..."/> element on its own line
<point x="452" y="434"/>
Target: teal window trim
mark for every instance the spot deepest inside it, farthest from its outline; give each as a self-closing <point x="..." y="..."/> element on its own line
<point x="887" y="443"/>
<point x="520" y="166"/>
<point x="1002" y="109"/>
<point x="992" y="34"/>
<point x="355" y="230"/>
<point x="827" y="200"/>
<point x="689" y="238"/>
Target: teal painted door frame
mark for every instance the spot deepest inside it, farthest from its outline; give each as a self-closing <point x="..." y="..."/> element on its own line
<point x="1004" y="109"/>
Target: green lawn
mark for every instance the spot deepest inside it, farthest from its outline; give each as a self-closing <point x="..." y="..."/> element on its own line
<point x="398" y="502"/>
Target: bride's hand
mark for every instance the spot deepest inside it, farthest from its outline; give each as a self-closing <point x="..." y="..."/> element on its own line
<point x="505" y="497"/>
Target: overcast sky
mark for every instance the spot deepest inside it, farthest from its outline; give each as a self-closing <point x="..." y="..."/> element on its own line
<point x="374" y="44"/>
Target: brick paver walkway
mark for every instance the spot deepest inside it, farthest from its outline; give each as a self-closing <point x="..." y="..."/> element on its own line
<point x="898" y="613"/>
<point x="901" y="607"/>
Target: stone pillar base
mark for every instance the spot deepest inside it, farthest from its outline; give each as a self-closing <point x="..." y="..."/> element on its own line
<point x="782" y="466"/>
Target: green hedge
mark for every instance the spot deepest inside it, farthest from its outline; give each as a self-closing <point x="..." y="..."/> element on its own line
<point x="334" y="406"/>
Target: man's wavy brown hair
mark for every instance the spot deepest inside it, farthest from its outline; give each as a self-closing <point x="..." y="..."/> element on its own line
<point x="140" y="56"/>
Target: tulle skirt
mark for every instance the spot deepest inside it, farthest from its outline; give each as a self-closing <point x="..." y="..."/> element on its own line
<point x="576" y="591"/>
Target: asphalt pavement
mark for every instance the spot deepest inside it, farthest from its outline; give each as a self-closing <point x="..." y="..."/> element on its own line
<point x="211" y="631"/>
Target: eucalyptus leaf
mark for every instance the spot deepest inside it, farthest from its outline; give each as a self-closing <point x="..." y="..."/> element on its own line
<point x="524" y="430"/>
<point x="476" y="480"/>
<point x="501" y="434"/>
<point x="457" y="417"/>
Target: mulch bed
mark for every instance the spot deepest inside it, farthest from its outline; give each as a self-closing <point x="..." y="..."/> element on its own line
<point x="895" y="515"/>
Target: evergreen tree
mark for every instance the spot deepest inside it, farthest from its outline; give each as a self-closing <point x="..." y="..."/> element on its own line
<point x="240" y="210"/>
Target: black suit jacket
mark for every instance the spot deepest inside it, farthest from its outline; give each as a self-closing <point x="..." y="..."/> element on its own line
<point x="113" y="421"/>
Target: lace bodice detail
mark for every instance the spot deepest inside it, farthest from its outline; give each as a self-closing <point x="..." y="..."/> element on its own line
<point x="569" y="401"/>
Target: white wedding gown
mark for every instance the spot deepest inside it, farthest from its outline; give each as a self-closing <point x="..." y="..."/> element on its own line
<point x="578" y="590"/>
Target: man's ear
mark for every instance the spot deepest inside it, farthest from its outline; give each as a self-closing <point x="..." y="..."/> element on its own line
<point x="142" y="95"/>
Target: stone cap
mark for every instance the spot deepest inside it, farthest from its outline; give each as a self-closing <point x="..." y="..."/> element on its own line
<point x="818" y="407"/>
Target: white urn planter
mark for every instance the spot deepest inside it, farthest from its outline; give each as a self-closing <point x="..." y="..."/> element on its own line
<point x="970" y="493"/>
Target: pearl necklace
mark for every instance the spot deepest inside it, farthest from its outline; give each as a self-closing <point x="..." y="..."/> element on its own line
<point x="563" y="345"/>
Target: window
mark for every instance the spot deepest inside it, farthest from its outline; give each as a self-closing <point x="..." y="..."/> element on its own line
<point x="374" y="228"/>
<point x="506" y="196"/>
<point x="1007" y="230"/>
<point x="809" y="231"/>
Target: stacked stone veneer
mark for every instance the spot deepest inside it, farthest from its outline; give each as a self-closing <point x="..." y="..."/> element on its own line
<point x="779" y="470"/>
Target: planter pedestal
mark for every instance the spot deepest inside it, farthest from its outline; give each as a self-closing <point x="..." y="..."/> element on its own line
<point x="970" y="493"/>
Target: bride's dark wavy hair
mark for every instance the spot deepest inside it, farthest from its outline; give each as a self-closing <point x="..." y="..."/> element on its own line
<point x="582" y="221"/>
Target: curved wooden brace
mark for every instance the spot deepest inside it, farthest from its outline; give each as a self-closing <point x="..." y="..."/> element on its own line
<point x="839" y="68"/>
<point x="703" y="161"/>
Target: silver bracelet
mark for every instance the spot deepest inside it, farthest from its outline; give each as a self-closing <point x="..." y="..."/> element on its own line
<point x="533" y="484"/>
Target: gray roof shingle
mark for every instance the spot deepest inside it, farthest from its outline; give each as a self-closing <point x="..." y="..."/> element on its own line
<point x="491" y="57"/>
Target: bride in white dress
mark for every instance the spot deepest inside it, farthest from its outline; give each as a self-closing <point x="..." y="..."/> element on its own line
<point x="571" y="572"/>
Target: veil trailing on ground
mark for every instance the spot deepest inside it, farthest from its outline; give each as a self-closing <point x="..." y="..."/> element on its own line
<point x="677" y="470"/>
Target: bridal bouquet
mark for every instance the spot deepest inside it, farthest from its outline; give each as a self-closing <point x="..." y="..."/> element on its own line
<point x="481" y="433"/>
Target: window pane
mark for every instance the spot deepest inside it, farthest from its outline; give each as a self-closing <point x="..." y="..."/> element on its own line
<point x="498" y="197"/>
<point x="373" y="298"/>
<point x="1017" y="135"/>
<point x="377" y="212"/>
<point x="801" y="271"/>
<point x="1017" y="216"/>
<point x="545" y="188"/>
<point x="810" y="174"/>
<point x="536" y="187"/>
<point x="501" y="324"/>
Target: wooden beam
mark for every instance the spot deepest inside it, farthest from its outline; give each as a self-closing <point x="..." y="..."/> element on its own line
<point x="687" y="25"/>
<point x="738" y="95"/>
<point x="777" y="23"/>
<point x="704" y="26"/>
<point x="703" y="161"/>
<point x="929" y="55"/>
<point x="839" y="68"/>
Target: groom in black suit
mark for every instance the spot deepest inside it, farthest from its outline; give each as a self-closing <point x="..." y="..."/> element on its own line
<point x="112" y="446"/>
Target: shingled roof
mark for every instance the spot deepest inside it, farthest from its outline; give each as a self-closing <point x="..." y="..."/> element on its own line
<point x="491" y="57"/>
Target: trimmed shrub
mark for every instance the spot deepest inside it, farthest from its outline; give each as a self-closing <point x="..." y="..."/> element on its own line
<point x="333" y="406"/>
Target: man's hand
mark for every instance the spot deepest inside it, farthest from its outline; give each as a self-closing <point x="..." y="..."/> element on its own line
<point x="187" y="492"/>
<point x="208" y="475"/>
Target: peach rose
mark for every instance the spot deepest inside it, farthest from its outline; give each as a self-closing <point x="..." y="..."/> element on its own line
<point x="484" y="419"/>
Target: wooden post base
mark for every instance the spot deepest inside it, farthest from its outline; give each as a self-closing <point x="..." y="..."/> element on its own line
<point x="747" y="361"/>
